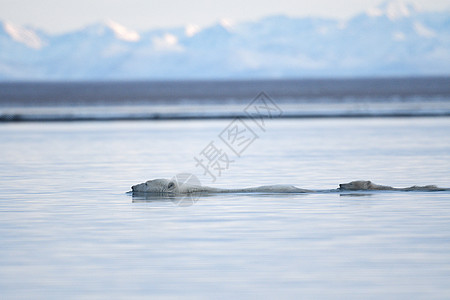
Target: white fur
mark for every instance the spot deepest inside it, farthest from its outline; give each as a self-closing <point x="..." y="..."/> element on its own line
<point x="165" y="186"/>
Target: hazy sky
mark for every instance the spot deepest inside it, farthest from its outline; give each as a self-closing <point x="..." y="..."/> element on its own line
<point x="57" y="16"/>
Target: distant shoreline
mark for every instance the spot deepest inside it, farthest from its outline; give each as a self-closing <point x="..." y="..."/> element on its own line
<point x="168" y="117"/>
<point x="216" y="91"/>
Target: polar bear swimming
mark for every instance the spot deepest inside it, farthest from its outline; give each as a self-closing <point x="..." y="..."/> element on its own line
<point x="362" y="185"/>
<point x="165" y="186"/>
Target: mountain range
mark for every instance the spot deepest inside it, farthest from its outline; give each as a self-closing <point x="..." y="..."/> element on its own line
<point x="393" y="39"/>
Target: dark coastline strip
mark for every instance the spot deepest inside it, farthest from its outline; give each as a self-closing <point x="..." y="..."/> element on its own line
<point x="11" y="118"/>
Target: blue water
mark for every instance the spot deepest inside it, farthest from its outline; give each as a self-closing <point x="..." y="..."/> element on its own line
<point x="68" y="229"/>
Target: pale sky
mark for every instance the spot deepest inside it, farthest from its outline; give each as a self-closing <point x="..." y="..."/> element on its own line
<point x="56" y="16"/>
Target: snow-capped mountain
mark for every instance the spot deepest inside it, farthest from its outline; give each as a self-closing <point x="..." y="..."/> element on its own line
<point x="393" y="10"/>
<point x="392" y="39"/>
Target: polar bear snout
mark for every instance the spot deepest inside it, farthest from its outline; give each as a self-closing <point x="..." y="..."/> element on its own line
<point x="134" y="188"/>
<point x="141" y="187"/>
<point x="346" y="186"/>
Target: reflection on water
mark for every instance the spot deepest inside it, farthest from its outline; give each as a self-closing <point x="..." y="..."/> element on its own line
<point x="192" y="198"/>
<point x="355" y="194"/>
<point x="179" y="200"/>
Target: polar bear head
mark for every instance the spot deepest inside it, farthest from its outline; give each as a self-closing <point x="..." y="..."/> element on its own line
<point x="156" y="186"/>
<point x="361" y="185"/>
<point x="357" y="185"/>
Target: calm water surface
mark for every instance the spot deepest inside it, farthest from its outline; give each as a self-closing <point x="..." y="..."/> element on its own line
<point x="68" y="228"/>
